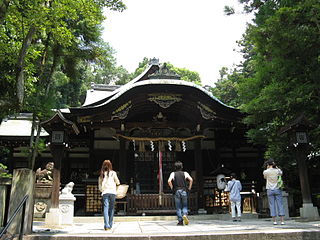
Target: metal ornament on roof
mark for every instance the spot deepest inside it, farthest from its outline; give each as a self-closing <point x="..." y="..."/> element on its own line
<point x="164" y="73"/>
<point x="206" y="112"/>
<point x="122" y="111"/>
<point x="164" y="100"/>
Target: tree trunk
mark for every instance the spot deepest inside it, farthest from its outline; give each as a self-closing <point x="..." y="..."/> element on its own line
<point x="52" y="69"/>
<point x="3" y="10"/>
<point x="20" y="64"/>
<point x="33" y="126"/>
<point x="43" y="59"/>
<point x="34" y="149"/>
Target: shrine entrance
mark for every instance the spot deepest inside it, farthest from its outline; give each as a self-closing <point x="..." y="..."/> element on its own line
<point x="146" y="169"/>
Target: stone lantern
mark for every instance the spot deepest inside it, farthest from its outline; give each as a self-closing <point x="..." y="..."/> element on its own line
<point x="59" y="128"/>
<point x="297" y="132"/>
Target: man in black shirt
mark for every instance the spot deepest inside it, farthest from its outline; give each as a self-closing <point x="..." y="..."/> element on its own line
<point x="178" y="183"/>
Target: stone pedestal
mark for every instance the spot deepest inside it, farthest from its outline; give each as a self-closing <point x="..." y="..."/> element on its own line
<point x="285" y="196"/>
<point x="66" y="206"/>
<point x="309" y="211"/>
<point x="42" y="201"/>
<point x="22" y="184"/>
<point x="4" y="184"/>
<point x="64" y="214"/>
<point x="53" y="217"/>
<point x="264" y="203"/>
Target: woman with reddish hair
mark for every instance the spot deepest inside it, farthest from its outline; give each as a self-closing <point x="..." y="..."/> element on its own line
<point x="108" y="181"/>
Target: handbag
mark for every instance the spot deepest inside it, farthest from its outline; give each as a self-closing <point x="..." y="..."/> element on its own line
<point x="280" y="184"/>
<point x="122" y="190"/>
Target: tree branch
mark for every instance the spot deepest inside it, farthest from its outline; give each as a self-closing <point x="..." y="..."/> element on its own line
<point x="20" y="64"/>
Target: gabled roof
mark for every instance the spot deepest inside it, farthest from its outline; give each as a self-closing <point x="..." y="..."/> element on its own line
<point x="59" y="118"/>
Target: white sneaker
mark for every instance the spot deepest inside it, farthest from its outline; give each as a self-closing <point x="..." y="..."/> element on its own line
<point x="282" y="223"/>
<point x="275" y="223"/>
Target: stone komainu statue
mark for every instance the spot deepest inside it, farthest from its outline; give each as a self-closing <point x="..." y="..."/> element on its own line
<point x="67" y="190"/>
<point x="45" y="175"/>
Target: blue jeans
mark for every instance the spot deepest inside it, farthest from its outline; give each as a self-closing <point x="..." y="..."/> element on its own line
<point x="275" y="202"/>
<point x="108" y="209"/>
<point x="181" y="201"/>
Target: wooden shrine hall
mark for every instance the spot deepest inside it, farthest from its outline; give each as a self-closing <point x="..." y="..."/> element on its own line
<point x="143" y="127"/>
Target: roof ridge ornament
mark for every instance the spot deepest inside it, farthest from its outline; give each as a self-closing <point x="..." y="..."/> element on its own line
<point x="164" y="73"/>
<point x="154" y="61"/>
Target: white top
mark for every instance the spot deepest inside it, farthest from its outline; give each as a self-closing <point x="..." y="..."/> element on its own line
<point x="271" y="174"/>
<point x="109" y="184"/>
<point x="186" y="176"/>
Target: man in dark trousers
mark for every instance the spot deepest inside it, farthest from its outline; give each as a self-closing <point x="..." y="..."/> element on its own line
<point x="178" y="184"/>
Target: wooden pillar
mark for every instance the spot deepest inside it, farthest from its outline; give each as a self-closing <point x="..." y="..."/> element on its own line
<point x="199" y="172"/>
<point x="57" y="152"/>
<point x="303" y="175"/>
<point x="123" y="161"/>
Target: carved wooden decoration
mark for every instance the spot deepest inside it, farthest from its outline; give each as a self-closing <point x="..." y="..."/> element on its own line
<point x="122" y="111"/>
<point x="164" y="100"/>
<point x="206" y="112"/>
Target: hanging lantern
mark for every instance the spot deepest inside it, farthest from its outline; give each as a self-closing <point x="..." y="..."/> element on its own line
<point x="152" y="146"/>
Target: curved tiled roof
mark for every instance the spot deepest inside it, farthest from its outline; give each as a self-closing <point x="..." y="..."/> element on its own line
<point x="120" y="91"/>
<point x="148" y="77"/>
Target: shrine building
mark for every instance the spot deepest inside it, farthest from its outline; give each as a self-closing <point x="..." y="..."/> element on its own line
<point x="143" y="127"/>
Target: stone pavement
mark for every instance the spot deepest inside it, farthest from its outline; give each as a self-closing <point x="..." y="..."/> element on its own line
<point x="161" y="227"/>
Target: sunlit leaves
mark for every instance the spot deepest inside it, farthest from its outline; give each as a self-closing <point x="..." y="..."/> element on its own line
<point x="284" y="57"/>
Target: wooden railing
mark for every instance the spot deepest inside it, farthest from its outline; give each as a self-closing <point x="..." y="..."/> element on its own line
<point x="151" y="203"/>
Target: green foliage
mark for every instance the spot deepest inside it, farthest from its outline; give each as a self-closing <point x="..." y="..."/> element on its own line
<point x="281" y="70"/>
<point x="64" y="34"/>
<point x="3" y="172"/>
<point x="226" y="87"/>
<point x="48" y="50"/>
<point x="141" y="67"/>
<point x="229" y="10"/>
<point x="185" y="74"/>
<point x="4" y="155"/>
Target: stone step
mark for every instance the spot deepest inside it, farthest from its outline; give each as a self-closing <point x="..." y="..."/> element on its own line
<point x="201" y="227"/>
<point x="224" y="217"/>
<point x="306" y="235"/>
